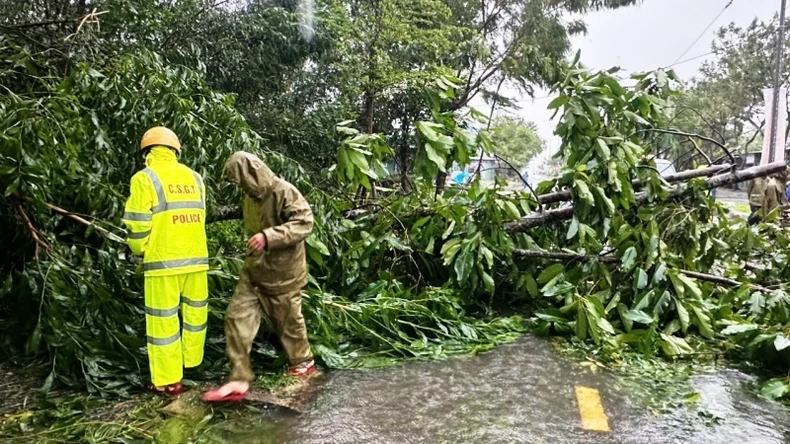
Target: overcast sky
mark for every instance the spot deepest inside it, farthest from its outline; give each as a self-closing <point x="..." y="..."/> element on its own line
<point x="648" y="36"/>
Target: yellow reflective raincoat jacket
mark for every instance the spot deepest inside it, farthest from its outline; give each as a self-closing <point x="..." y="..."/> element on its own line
<point x="166" y="216"/>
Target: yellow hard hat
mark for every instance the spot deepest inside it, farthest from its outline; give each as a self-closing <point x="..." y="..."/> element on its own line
<point x="160" y="135"/>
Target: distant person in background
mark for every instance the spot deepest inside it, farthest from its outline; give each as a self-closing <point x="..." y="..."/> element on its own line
<point x="755" y="191"/>
<point x="525" y="177"/>
<point x="774" y="197"/>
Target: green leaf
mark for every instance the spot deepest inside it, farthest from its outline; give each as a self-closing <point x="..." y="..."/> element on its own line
<point x="434" y="157"/>
<point x="775" y="388"/>
<point x="11" y="188"/>
<point x="463" y="266"/>
<point x="450" y="249"/>
<point x="641" y="279"/>
<point x="660" y="273"/>
<point x="629" y="258"/>
<point x="603" y="150"/>
<point x="690" y="285"/>
<point x="488" y="281"/>
<point x="702" y="322"/>
<point x="581" y="324"/>
<point x="605" y="199"/>
<point x="633" y="117"/>
<point x="551" y="315"/>
<point x="449" y="230"/>
<point x="604" y="325"/>
<point x="558" y="102"/>
<point x="638" y="316"/>
<point x="583" y="192"/>
<point x="532" y="286"/>
<point x="573" y="229"/>
<point x="781" y="342"/>
<point x="550" y="273"/>
<point x="512" y="210"/>
<point x="488" y="256"/>
<point x="318" y="245"/>
<point x="683" y="315"/>
<point x="674" y="346"/>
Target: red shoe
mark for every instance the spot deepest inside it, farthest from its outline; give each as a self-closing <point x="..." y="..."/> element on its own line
<point x="233" y="391"/>
<point x="215" y="396"/>
<point x="169" y="390"/>
<point x="303" y="369"/>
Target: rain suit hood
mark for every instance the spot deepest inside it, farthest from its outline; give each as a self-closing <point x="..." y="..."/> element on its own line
<point x="249" y="173"/>
<point x="160" y="154"/>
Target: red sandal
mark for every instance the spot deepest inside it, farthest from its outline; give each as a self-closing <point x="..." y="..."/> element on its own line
<point x="236" y="392"/>
<point x="169" y="390"/>
<point x="303" y="369"/>
<point x="215" y="396"/>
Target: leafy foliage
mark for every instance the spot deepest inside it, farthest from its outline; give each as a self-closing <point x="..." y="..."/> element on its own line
<point x="516" y="140"/>
<point x="410" y="275"/>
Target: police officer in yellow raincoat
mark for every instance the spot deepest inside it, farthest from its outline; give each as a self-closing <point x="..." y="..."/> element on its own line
<point x="165" y="216"/>
<point x="277" y="219"/>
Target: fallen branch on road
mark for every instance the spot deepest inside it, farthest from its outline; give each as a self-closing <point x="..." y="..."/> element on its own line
<point x="560" y="214"/>
<point x="562" y="196"/>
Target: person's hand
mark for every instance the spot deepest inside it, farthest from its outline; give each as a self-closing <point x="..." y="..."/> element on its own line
<point x="257" y="242"/>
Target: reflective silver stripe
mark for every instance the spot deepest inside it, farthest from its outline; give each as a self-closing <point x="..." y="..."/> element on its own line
<point x="160" y="191"/>
<point x="164" y="205"/>
<point x="160" y="312"/>
<point x="165" y="341"/>
<point x="140" y="217"/>
<point x="184" y="206"/>
<point x="175" y="263"/>
<point x="195" y="328"/>
<point x="199" y="181"/>
<point x="196" y="304"/>
<point x="138" y="236"/>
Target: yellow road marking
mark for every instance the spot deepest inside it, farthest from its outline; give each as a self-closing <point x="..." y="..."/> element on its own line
<point x="591" y="410"/>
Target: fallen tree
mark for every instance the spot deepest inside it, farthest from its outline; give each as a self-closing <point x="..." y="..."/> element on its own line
<point x="71" y="294"/>
<point x="561" y="214"/>
<point x="682" y="176"/>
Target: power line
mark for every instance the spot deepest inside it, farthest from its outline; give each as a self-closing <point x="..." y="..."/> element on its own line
<point x="689" y="60"/>
<point x="704" y="31"/>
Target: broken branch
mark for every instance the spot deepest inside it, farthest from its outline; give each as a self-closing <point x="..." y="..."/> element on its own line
<point x="562" y="256"/>
<point x="560" y="214"/>
<point x="561" y="196"/>
<point x="32" y="229"/>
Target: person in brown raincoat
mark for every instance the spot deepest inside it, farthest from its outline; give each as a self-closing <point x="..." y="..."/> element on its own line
<point x="756" y="193"/>
<point x="277" y="219"/>
<point x="774" y="195"/>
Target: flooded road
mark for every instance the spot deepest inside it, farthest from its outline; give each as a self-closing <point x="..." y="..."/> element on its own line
<point x="523" y="392"/>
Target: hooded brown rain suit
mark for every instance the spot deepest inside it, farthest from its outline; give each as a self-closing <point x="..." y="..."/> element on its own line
<point x="271" y="280"/>
<point x="774" y="195"/>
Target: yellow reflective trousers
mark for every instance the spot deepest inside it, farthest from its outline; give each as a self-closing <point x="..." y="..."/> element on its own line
<point x="165" y="215"/>
<point x="171" y="346"/>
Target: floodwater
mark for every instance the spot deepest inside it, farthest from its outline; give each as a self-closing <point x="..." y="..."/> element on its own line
<point x="519" y="393"/>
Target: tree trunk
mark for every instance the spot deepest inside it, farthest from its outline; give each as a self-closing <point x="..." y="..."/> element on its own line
<point x="562" y="196"/>
<point x="561" y="214"/>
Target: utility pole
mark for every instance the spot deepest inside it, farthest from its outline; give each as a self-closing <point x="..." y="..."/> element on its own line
<point x="780" y="43"/>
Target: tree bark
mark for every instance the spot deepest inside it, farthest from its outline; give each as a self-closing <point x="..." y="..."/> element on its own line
<point x="562" y="196"/>
<point x="560" y="214"/>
